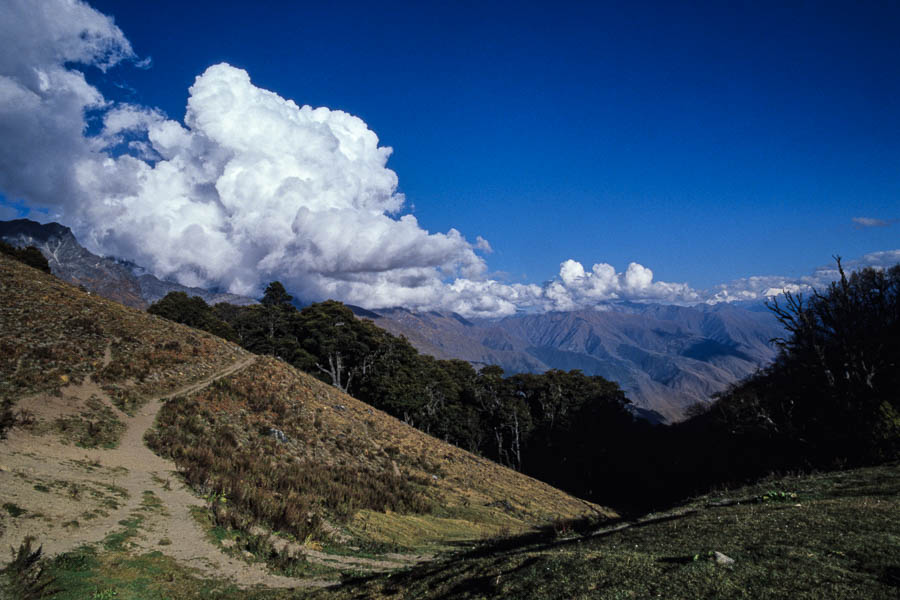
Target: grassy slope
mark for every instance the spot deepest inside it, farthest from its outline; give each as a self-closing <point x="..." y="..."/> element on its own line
<point x="347" y="463"/>
<point x="838" y="538"/>
<point x="52" y="335"/>
<point x="841" y="542"/>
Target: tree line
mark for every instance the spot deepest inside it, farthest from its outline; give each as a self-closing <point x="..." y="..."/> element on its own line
<point x="29" y="255"/>
<point x="831" y="399"/>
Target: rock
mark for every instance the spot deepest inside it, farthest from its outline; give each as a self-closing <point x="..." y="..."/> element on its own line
<point x="278" y="435"/>
<point x="722" y="559"/>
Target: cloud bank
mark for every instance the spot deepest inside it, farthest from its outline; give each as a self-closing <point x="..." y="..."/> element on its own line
<point x="249" y="187"/>
<point x="762" y="287"/>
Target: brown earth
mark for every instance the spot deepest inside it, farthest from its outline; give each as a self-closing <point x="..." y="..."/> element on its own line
<point x="83" y="481"/>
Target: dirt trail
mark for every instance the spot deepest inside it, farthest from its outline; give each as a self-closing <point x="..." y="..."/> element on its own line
<point x="388" y="562"/>
<point x="76" y="496"/>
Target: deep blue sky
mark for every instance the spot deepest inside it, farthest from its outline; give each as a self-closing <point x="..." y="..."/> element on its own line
<point x="706" y="141"/>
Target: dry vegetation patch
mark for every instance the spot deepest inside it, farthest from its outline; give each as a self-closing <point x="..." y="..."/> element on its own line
<point x="272" y="446"/>
<point x="53" y="335"/>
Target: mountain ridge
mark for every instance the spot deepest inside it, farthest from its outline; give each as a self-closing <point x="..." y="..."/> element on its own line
<point x="666" y="358"/>
<point x="106" y="276"/>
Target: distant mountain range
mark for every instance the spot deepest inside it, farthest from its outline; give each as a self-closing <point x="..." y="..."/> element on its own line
<point x="666" y="358"/>
<point x="114" y="279"/>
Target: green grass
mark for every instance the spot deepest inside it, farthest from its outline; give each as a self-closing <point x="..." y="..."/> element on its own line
<point x="839" y="537"/>
<point x="259" y="549"/>
<point x="13" y="509"/>
<point x="111" y="571"/>
<point x="117" y="540"/>
<point x="85" y="574"/>
<point x="151" y="503"/>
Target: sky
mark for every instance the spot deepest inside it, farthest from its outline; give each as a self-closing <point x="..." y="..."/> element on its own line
<point x="483" y="157"/>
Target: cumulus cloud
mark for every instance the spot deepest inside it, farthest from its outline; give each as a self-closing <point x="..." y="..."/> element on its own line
<point x="577" y="288"/>
<point x="483" y="245"/>
<point x="253" y="187"/>
<point x="249" y="187"/>
<point x="42" y="101"/>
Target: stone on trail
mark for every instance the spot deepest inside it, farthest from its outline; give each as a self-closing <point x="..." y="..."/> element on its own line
<point x="722" y="559"/>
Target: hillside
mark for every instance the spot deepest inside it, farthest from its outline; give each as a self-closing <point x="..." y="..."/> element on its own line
<point x="264" y="471"/>
<point x="831" y="535"/>
<point x="665" y="358"/>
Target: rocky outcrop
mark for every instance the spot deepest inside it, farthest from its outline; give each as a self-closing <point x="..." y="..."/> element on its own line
<point x="117" y="280"/>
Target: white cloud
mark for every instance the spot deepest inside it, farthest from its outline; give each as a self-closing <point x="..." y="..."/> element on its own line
<point x="483" y="245"/>
<point x="250" y="187"/>
<point x="42" y="102"/>
<point x="879" y="260"/>
<point x="576" y="288"/>
<point x="762" y="287"/>
<point x="254" y="187"/>
<point x="861" y="222"/>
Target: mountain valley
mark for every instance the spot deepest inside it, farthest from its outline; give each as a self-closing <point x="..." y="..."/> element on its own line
<point x="666" y="358"/>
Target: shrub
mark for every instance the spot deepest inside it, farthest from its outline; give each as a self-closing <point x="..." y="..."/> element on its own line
<point x="24" y="577"/>
<point x="29" y="255"/>
<point x="224" y="451"/>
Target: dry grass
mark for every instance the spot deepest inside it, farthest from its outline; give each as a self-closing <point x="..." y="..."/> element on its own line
<point x="96" y="426"/>
<point x="52" y="335"/>
<point x="343" y="462"/>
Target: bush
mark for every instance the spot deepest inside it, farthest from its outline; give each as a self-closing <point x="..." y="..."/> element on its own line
<point x="29" y="255"/>
<point x="24" y="578"/>
<point x="831" y="396"/>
